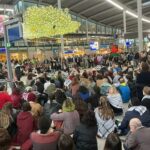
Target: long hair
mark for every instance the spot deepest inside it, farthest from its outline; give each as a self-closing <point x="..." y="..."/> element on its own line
<point x="105" y="110"/>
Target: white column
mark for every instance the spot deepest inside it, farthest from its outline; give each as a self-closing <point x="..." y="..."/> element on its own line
<point x="140" y="25"/>
<point x="9" y="67"/>
<point x="124" y="28"/>
<point x="87" y="30"/>
<point x="62" y="38"/>
<point x="124" y="22"/>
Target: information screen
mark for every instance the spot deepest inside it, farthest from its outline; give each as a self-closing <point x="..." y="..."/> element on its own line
<point x="14" y="32"/>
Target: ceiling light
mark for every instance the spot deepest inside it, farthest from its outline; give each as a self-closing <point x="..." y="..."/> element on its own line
<point x="131" y="14"/>
<point x="145" y="20"/>
<point x="10" y="10"/>
<point x="115" y="4"/>
<point x="146" y="4"/>
<point x="3" y="9"/>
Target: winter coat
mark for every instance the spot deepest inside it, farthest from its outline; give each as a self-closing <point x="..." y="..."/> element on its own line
<point x="45" y="141"/>
<point x="143" y="79"/>
<point x="25" y="124"/>
<point x="135" y="112"/>
<point x="146" y="101"/>
<point x="85" y="137"/>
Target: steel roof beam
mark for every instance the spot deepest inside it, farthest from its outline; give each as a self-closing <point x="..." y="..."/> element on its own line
<point x="93" y="7"/>
<point x="109" y="10"/>
<point x="115" y="16"/>
<point x="121" y="21"/>
<point x="78" y="4"/>
<point x="102" y="12"/>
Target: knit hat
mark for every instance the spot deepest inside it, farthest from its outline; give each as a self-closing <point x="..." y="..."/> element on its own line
<point x="4" y="120"/>
<point x="31" y="97"/>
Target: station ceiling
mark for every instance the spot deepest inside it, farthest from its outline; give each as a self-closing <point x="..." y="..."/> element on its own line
<point x="102" y="11"/>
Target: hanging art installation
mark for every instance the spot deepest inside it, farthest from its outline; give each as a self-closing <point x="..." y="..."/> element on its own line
<point x="43" y="22"/>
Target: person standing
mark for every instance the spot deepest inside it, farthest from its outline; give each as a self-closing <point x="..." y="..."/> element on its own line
<point x="143" y="79"/>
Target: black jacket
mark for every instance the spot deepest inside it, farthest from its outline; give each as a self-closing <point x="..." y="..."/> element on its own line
<point x="85" y="137"/>
<point x="143" y="79"/>
<point x="146" y="102"/>
<point x="145" y="119"/>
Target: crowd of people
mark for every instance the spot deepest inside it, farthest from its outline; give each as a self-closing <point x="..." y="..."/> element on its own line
<point x="68" y="105"/>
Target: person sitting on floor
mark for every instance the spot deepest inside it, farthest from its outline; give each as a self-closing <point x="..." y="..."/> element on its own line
<point x="85" y="134"/>
<point x="138" y="137"/>
<point x="115" y="101"/>
<point x="45" y="138"/>
<point x="105" y="118"/>
<point x="135" y="111"/>
<point x="69" y="116"/>
<point x="124" y="91"/>
<point x="25" y="124"/>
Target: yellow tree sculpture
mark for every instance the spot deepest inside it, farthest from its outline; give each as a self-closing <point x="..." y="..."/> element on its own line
<point x="40" y="22"/>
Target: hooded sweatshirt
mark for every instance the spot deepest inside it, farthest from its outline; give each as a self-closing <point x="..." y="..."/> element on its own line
<point x="25" y="124"/>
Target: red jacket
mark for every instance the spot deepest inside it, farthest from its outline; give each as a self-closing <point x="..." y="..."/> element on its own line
<point x="26" y="125"/>
<point x="4" y="98"/>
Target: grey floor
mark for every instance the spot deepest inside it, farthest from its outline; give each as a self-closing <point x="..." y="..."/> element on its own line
<point x="101" y="142"/>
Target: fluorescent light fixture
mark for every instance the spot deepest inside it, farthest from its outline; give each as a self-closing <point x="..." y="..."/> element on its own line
<point x="115" y="4"/>
<point x="145" y="20"/>
<point x="3" y="9"/>
<point x="146" y="4"/>
<point x="10" y="10"/>
<point x="131" y="14"/>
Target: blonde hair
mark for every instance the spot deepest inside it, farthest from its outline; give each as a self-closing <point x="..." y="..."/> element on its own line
<point x="121" y="80"/>
<point x="113" y="88"/>
<point x="105" y="110"/>
<point x="68" y="105"/>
